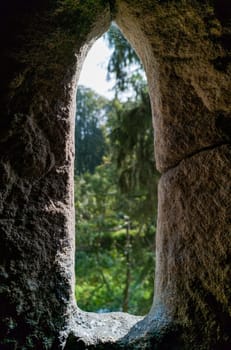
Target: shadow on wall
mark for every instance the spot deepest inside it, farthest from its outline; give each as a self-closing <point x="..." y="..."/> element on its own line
<point x="179" y="45"/>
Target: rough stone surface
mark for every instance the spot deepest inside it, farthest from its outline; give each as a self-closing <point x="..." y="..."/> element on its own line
<point x="184" y="46"/>
<point x="184" y="50"/>
<point x="38" y="69"/>
<point x="193" y="273"/>
<point x="98" y="330"/>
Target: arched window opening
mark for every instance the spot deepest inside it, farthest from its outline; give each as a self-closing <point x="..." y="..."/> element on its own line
<point x="115" y="184"/>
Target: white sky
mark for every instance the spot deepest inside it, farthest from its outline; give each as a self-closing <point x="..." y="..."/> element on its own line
<point x="94" y="71"/>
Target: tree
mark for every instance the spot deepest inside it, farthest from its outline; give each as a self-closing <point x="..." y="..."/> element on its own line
<point x="133" y="152"/>
<point x="124" y="65"/>
<point x="131" y="130"/>
<point x="89" y="137"/>
<point x="116" y="201"/>
<point x="111" y="249"/>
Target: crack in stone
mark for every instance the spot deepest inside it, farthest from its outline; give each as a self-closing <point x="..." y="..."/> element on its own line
<point x="192" y="154"/>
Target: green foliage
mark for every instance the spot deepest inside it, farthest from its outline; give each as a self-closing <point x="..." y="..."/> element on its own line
<point x="115" y="195"/>
<point x="124" y="65"/>
<point x="101" y="236"/>
<point x="89" y="138"/>
<point x="133" y="152"/>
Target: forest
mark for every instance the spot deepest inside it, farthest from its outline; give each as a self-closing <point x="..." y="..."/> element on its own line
<point x="115" y="189"/>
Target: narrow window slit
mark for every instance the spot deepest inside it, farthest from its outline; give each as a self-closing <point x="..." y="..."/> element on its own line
<point x="115" y="182"/>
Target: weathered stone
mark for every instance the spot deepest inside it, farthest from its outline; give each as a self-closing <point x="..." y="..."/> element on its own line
<point x="184" y="48"/>
<point x="98" y="330"/>
<point x="193" y="257"/>
<point x="38" y="66"/>
<point x="179" y="44"/>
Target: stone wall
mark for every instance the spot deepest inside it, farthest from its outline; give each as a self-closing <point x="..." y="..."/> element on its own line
<point x="184" y="46"/>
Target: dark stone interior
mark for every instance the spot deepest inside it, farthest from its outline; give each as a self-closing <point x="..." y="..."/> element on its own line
<point x="184" y="46"/>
